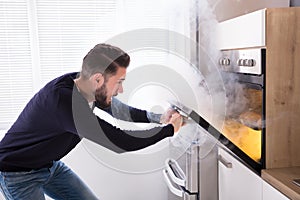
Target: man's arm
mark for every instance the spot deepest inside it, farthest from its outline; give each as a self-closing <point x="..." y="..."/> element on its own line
<point x="76" y="117"/>
<point x="124" y="112"/>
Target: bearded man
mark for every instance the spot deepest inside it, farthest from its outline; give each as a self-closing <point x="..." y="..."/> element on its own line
<point x="56" y="119"/>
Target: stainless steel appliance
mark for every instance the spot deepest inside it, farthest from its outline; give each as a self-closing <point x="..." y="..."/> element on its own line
<point x="194" y="174"/>
<point x="243" y="73"/>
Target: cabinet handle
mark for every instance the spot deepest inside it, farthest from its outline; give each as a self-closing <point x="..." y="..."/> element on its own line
<point x="224" y="162"/>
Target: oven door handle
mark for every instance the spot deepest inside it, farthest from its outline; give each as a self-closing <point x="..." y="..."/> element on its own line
<point x="171" y="163"/>
<point x="174" y="190"/>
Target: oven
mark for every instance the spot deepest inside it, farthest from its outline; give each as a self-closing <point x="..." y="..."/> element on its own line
<point x="243" y="131"/>
<point x="194" y="174"/>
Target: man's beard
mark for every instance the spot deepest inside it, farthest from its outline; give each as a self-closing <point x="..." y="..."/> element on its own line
<point x="101" y="97"/>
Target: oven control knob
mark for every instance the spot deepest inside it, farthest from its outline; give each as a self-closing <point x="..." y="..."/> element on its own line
<point x="227" y="61"/>
<point x="240" y="62"/>
<point x="250" y="62"/>
<point x="224" y="61"/>
<point x="246" y="62"/>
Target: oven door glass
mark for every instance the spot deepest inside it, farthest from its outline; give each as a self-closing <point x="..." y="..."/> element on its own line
<point x="244" y="120"/>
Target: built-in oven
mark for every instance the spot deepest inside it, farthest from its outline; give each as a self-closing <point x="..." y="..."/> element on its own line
<point x="243" y="131"/>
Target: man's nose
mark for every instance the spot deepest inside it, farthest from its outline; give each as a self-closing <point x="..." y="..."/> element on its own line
<point x="120" y="89"/>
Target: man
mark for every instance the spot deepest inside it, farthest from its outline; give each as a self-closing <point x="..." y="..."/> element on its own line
<point x="60" y="115"/>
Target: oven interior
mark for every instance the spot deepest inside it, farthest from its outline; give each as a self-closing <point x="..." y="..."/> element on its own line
<point x="244" y="119"/>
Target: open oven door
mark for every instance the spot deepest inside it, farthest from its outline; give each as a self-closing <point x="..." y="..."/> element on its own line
<point x="199" y="179"/>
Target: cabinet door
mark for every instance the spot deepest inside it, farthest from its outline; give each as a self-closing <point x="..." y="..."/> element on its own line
<point x="270" y="192"/>
<point x="236" y="181"/>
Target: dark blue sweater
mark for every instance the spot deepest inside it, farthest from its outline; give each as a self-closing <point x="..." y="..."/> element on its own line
<point x="53" y="123"/>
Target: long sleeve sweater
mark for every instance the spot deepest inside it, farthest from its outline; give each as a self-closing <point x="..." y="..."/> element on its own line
<point x="56" y="119"/>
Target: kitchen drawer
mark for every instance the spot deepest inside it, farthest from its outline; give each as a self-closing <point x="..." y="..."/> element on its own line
<point x="236" y="181"/>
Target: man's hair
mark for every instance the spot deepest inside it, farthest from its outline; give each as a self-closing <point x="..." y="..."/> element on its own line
<point x="104" y="59"/>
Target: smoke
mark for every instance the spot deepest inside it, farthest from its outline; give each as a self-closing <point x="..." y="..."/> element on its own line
<point x="236" y="99"/>
<point x="204" y="22"/>
<point x="228" y="95"/>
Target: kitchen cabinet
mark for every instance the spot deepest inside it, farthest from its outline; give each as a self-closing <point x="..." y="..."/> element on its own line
<point x="282" y="88"/>
<point x="227" y="9"/>
<point x="236" y="181"/>
<point x="270" y="192"/>
<point x="277" y="31"/>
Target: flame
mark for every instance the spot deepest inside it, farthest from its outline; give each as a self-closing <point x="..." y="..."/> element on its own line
<point x="244" y="137"/>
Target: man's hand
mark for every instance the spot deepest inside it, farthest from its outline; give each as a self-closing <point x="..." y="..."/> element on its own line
<point x="177" y="121"/>
<point x="166" y="117"/>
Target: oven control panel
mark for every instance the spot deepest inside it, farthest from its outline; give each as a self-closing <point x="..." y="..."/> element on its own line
<point x="249" y="61"/>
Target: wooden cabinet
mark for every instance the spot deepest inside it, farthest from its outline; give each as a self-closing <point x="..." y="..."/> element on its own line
<point x="282" y="87"/>
<point x="236" y="181"/>
<point x="270" y="193"/>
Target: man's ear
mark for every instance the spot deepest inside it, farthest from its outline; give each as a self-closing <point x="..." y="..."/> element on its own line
<point x="98" y="79"/>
